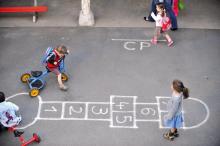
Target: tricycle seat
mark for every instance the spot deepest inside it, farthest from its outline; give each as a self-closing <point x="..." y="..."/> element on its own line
<point x="36" y="73"/>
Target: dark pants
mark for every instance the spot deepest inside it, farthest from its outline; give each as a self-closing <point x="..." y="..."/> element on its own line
<point x="169" y="10"/>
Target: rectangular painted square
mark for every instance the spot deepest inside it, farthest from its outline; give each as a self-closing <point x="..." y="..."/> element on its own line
<point x="51" y="110"/>
<point x="74" y="110"/>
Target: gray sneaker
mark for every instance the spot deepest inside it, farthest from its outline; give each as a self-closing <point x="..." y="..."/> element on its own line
<point x="63" y="88"/>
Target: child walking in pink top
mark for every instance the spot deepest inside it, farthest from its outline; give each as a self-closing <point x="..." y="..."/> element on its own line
<point x="162" y="25"/>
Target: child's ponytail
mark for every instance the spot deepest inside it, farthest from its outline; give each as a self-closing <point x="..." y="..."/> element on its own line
<point x="179" y="87"/>
<point x="185" y="93"/>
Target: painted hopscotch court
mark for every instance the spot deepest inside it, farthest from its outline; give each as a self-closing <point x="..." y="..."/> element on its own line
<point x="120" y="112"/>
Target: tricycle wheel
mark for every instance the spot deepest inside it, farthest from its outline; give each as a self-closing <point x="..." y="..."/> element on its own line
<point x="25" y="77"/>
<point x="36" y="137"/>
<point x="64" y="77"/>
<point x="34" y="92"/>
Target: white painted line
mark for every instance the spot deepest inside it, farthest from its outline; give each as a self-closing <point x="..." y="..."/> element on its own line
<point x="71" y="119"/>
<point x="38" y="112"/>
<point x="134" y="114"/>
<point x="207" y="114"/>
<point x="86" y="111"/>
<point x="159" y="112"/>
<point x="63" y="111"/>
<point x="142" y="103"/>
<point x="137" y="40"/>
<point x="145" y="120"/>
<point x="10" y="97"/>
<point x="123" y="127"/>
<point x="111" y="112"/>
<point x="69" y="102"/>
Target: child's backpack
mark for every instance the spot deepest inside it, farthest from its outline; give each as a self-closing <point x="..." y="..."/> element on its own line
<point x="166" y="23"/>
<point x="46" y="54"/>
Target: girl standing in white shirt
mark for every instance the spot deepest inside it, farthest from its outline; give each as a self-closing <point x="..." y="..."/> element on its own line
<point x="160" y="19"/>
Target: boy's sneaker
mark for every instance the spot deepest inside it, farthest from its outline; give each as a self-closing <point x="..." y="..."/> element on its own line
<point x="154" y="41"/>
<point x="170" y="43"/>
<point x="63" y="88"/>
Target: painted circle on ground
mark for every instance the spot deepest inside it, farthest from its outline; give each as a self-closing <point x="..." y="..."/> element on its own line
<point x="28" y="108"/>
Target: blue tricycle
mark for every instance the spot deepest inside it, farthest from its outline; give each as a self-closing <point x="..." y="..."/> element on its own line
<point x="36" y="81"/>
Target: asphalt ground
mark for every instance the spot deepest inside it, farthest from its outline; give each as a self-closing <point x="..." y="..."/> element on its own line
<point x="108" y="66"/>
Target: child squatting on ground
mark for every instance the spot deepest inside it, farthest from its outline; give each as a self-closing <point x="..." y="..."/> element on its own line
<point x="174" y="118"/>
<point x="160" y="20"/>
<point x="9" y="116"/>
<point x="53" y="63"/>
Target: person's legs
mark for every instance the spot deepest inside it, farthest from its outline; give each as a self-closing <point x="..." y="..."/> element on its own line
<point x="157" y="34"/>
<point x="62" y="86"/>
<point x="168" y="38"/>
<point x="171" y="14"/>
<point x="152" y="9"/>
<point x="59" y="78"/>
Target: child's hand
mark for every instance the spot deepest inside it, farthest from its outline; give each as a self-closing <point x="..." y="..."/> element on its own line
<point x="55" y="63"/>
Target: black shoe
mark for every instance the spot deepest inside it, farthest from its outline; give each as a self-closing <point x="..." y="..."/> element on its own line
<point x="146" y="19"/>
<point x="176" y="134"/>
<point x="2" y="128"/>
<point x="18" y="133"/>
<point x="173" y="29"/>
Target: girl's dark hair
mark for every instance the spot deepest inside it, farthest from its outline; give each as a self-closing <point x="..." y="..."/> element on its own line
<point x="2" y="97"/>
<point x="161" y="6"/>
<point x="179" y="87"/>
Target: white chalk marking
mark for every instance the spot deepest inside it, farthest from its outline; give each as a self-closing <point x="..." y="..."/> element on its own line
<point x="136" y="44"/>
<point x="126" y="46"/>
<point x="122" y="104"/>
<point x="53" y="109"/>
<point x="126" y="119"/>
<point x="72" y="119"/>
<point x="136" y="40"/>
<point x="142" y="103"/>
<point x="144" y="45"/>
<point x="159" y="112"/>
<point x="147" y="111"/>
<point x="100" y="111"/>
<point x="141" y="45"/>
<point x="207" y="114"/>
<point x="111" y="111"/>
<point x="147" y="120"/>
<point x="134" y="108"/>
<point x="71" y="109"/>
<point x="63" y="111"/>
<point x="86" y="111"/>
